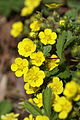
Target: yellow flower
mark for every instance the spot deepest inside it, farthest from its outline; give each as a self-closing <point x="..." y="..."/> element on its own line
<point x="26" y="47"/>
<point x="35" y="26"/>
<point x="70" y="90"/>
<point x="31" y="100"/>
<point x="48" y="37"/>
<point x="62" y="22"/>
<point x="63" y="115"/>
<point x="10" y="116"/>
<point x="63" y="106"/>
<point x="55" y="98"/>
<point x="53" y="62"/>
<point x="42" y="118"/>
<point x="29" y="118"/>
<point x="77" y="97"/>
<point x="29" y="89"/>
<point x="20" y="66"/>
<point x="34" y="76"/>
<point x="37" y="58"/>
<point x="38" y="100"/>
<point x="32" y="3"/>
<point x="17" y="28"/>
<point x="56" y="85"/>
<point x="26" y="11"/>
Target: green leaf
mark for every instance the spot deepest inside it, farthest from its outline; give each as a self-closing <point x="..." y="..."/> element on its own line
<point x="78" y="66"/>
<point x="47" y="98"/>
<point x="70" y="39"/>
<point x="73" y="3"/>
<point x="60" y="44"/>
<point x="6" y="6"/>
<point x="54" y="116"/>
<point x="39" y="45"/>
<point x="69" y="35"/>
<point x="73" y="74"/>
<point x="5" y="107"/>
<point x="65" y="74"/>
<point x="47" y="49"/>
<point x="52" y="1"/>
<point x="33" y="109"/>
<point x="72" y="14"/>
<point x="78" y="103"/>
<point x="52" y="72"/>
<point x="63" y="42"/>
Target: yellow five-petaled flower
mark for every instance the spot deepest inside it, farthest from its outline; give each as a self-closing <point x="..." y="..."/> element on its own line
<point x="26" y="47"/>
<point x="48" y="37"/>
<point x="34" y="76"/>
<point x="35" y="26"/>
<point x="20" y="66"/>
<point x="56" y="85"/>
<point x="37" y="58"/>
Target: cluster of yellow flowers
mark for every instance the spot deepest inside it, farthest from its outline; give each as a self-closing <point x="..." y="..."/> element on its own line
<point x="32" y="74"/>
<point x="60" y="104"/>
<point x="12" y="116"/>
<point x="30" y="5"/>
<point x="63" y="104"/>
<point x="33" y="71"/>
